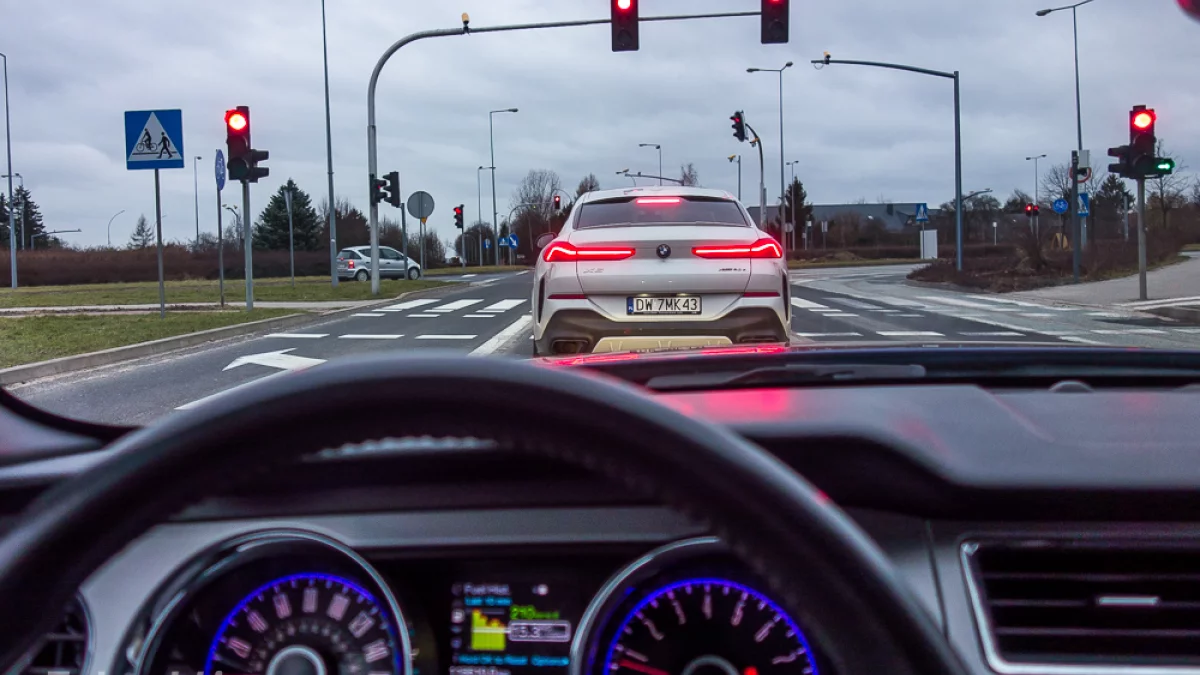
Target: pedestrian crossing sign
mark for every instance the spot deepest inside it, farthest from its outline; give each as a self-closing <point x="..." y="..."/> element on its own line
<point x="153" y="139"/>
<point x="922" y="215"/>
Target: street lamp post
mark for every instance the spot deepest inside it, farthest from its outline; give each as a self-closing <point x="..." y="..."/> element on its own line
<point x="659" y="149"/>
<point x="738" y="158"/>
<point x="12" y="230"/>
<point x="333" y="275"/>
<point x="19" y="225"/>
<point x="110" y="222"/>
<point x="780" y="72"/>
<point x="495" y="211"/>
<point x="791" y="182"/>
<point x="479" y="205"/>
<point x="958" y="196"/>
<point x="1036" y="224"/>
<point x="1078" y="106"/>
<point x="196" y="194"/>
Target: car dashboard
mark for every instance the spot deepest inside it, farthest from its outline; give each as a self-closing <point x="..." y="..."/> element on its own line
<point x="1043" y="532"/>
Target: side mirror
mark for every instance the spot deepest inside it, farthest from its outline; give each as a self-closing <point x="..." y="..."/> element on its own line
<point x="544" y="240"/>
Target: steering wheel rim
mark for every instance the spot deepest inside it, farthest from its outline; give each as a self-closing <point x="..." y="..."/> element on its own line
<point x="851" y="600"/>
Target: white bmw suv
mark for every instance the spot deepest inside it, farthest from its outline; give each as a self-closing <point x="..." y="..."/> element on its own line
<point x="662" y="267"/>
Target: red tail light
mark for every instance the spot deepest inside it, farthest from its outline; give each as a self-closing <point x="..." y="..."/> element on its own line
<point x="349" y="264"/>
<point x="563" y="251"/>
<point x="658" y="200"/>
<point x="763" y="248"/>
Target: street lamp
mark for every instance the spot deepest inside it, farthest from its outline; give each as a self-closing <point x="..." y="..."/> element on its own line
<point x="659" y="149"/>
<point x="495" y="214"/>
<point x="20" y="218"/>
<point x="333" y="275"/>
<point x="1035" y="159"/>
<point x="479" y="206"/>
<point x="196" y="192"/>
<point x="12" y="231"/>
<point x="738" y="158"/>
<point x="110" y="221"/>
<point x="625" y="172"/>
<point x="780" y="72"/>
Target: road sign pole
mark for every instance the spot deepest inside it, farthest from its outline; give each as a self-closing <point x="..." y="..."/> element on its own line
<point x="1141" y="228"/>
<point x="220" y="252"/>
<point x="248" y="245"/>
<point x="423" y="246"/>
<point x="162" y="290"/>
<point x="1076" y="245"/>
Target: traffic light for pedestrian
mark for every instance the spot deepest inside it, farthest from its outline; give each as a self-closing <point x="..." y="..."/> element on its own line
<point x="557" y="203"/>
<point x="624" y="25"/>
<point x="458" y="217"/>
<point x="391" y="188"/>
<point x="774" y="21"/>
<point x="739" y="126"/>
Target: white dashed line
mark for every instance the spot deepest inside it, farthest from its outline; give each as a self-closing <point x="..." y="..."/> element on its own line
<point x="997" y="333"/>
<point x="503" y="306"/>
<point x="910" y="333"/>
<point x="499" y="339"/>
<point x="365" y="314"/>
<point x="369" y="337"/>
<point x="411" y="304"/>
<point x="455" y="306"/>
<point x="446" y="337"/>
<point x="801" y="303"/>
<point x="299" y="336"/>
<point x="815" y="335"/>
<point x="423" y="316"/>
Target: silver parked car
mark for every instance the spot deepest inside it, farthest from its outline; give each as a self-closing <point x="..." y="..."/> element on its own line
<point x="355" y="263"/>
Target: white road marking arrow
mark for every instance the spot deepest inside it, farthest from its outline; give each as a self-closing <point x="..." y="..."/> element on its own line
<point x="280" y="359"/>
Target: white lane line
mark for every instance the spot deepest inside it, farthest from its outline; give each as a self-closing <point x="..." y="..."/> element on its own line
<point x="886" y="311"/>
<point x="1187" y="330"/>
<point x="1059" y="333"/>
<point x="423" y="316"/>
<point x="908" y="316"/>
<point x="299" y="336"/>
<point x="853" y="304"/>
<point x="468" y="276"/>
<point x="446" y="337"/>
<point x="1080" y="340"/>
<point x="1023" y="303"/>
<point x="1129" y="331"/>
<point x="827" y="311"/>
<point x="995" y="333"/>
<point x="411" y="304"/>
<point x="503" y="305"/>
<point x="219" y="394"/>
<point x="900" y="302"/>
<point x="1035" y="315"/>
<point x="1142" y="304"/>
<point x="455" y="306"/>
<point x="817" y="335"/>
<point x="353" y="336"/>
<point x="910" y="333"/>
<point x="1108" y="315"/>
<point x="842" y="315"/>
<point x="479" y="316"/>
<point x="515" y="275"/>
<point x="369" y="314"/>
<point x="967" y="303"/>
<point x="807" y="304"/>
<point x="499" y="339"/>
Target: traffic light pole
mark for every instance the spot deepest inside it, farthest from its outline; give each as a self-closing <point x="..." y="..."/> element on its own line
<point x="372" y="131"/>
<point x="1076" y="244"/>
<point x="1141" y="228"/>
<point x="248" y="245"/>
<point x="762" y="187"/>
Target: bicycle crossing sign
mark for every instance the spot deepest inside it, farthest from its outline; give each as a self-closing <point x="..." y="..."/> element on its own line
<point x="153" y="139"/>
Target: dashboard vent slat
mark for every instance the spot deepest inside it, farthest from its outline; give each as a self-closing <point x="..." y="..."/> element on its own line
<point x="1086" y="603"/>
<point x="64" y="650"/>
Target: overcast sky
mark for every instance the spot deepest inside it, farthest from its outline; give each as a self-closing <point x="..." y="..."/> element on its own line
<point x="76" y="65"/>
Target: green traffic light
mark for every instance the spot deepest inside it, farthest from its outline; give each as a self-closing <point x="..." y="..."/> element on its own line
<point x="1165" y="165"/>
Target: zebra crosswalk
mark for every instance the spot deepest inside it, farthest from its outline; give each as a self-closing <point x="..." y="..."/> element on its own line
<point x="429" y="308"/>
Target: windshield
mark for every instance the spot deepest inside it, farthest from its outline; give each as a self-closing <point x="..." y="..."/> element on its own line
<point x="185" y="210"/>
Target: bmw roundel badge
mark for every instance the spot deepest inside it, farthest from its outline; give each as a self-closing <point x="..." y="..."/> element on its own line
<point x="664" y="251"/>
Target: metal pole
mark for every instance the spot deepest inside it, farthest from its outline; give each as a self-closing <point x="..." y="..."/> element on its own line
<point x="739" y="178"/>
<point x="247" y="245"/>
<point x="162" y="289"/>
<point x="287" y="194"/>
<point x="762" y="187"/>
<point x="1141" y="229"/>
<point x="110" y="222"/>
<point x="1125" y="209"/>
<point x="1076" y="245"/>
<point x="660" y="165"/>
<point x="333" y="277"/>
<point x="781" y="187"/>
<point x="495" y="215"/>
<point x="958" y="206"/>
<point x="196" y="195"/>
<point x="12" y="228"/>
<point x="220" y="252"/>
<point x="1078" y="117"/>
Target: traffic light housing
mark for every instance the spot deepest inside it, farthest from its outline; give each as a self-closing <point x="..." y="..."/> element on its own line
<point x="243" y="159"/>
<point x="739" y="126"/>
<point x="1036" y="210"/>
<point x="391" y="188"/>
<point x="774" y="21"/>
<point x="557" y="203"/>
<point x="376" y="185"/>
<point x="624" y="25"/>
<point x="1121" y="167"/>
<point x="458" y="217"/>
<point x="1029" y="210"/>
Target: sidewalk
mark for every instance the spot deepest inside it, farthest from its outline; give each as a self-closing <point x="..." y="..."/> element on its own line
<point x="323" y="306"/>
<point x="1174" y="284"/>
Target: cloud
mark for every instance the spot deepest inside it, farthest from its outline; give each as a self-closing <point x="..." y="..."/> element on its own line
<point x="857" y="132"/>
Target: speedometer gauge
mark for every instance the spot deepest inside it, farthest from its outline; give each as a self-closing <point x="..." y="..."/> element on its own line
<point x="707" y="626"/>
<point x="306" y="624"/>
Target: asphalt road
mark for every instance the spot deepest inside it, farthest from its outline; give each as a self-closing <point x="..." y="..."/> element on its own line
<point x="488" y="315"/>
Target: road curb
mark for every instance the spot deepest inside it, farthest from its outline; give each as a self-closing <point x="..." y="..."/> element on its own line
<point x="107" y="357"/>
<point x="1184" y="314"/>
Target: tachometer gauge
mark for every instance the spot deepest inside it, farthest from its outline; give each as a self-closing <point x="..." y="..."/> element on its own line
<point x="306" y="624"/>
<point x="707" y="626"/>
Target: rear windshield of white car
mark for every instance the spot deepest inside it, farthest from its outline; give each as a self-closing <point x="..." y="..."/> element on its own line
<point x="660" y="211"/>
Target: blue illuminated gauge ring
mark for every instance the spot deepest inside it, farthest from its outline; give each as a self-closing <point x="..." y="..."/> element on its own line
<point x="267" y="621"/>
<point x="675" y="620"/>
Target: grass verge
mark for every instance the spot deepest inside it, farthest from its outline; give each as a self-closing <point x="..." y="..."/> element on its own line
<point x="307" y="289"/>
<point x="40" y="338"/>
<point x="1192" y="247"/>
<point x="818" y="264"/>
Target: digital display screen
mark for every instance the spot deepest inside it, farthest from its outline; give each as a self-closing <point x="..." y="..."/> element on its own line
<point x="511" y="628"/>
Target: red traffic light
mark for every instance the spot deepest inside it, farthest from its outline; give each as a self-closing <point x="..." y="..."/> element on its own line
<point x="458" y="210"/>
<point x="236" y="120"/>
<point x="1144" y="119"/>
<point x="624" y="5"/>
<point x="1029" y="209"/>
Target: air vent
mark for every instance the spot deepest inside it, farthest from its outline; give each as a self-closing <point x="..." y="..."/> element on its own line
<point x="1086" y="604"/>
<point x="65" y="648"/>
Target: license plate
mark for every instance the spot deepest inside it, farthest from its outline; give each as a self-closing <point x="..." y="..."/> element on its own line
<point x="673" y="304"/>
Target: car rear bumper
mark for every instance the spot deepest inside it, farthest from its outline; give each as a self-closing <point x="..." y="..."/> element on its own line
<point x="570" y="331"/>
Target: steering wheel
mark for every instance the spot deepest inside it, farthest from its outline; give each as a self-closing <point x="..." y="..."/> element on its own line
<point x="819" y="565"/>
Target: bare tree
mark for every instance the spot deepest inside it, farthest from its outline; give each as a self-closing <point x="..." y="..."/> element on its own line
<point x="688" y="175"/>
<point x="536" y="191"/>
<point x="1167" y="193"/>
<point x="589" y="184"/>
